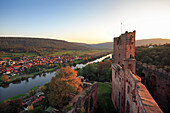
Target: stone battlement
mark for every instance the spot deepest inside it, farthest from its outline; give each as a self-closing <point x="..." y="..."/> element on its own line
<point x="157" y="82"/>
<point x="147" y="103"/>
<point x="129" y="95"/>
<point x="153" y="68"/>
<point x="86" y="100"/>
<point x="137" y="97"/>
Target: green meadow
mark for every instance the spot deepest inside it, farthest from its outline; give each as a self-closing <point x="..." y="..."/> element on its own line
<point x="104" y="100"/>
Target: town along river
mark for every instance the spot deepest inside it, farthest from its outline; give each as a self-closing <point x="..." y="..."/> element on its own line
<point x="22" y="87"/>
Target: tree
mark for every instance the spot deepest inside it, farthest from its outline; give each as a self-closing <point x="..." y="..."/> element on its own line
<point x="63" y="87"/>
<point x="90" y="72"/>
<point x="4" y="78"/>
<point x="104" y="71"/>
<point x="11" y="106"/>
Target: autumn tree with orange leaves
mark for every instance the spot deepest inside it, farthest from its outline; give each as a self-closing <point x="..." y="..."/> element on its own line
<point x="4" y="78"/>
<point x="63" y="87"/>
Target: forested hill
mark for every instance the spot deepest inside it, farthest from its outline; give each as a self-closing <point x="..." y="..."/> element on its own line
<point x="152" y="41"/>
<point x="158" y="55"/>
<point x="106" y="45"/>
<point x="22" y="44"/>
<point x="109" y="45"/>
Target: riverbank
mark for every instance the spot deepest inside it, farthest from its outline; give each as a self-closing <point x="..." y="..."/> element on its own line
<point x="24" y="77"/>
<point x="21" y="95"/>
<point x="24" y="85"/>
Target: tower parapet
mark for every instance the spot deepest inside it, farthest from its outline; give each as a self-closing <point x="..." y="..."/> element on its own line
<point x="124" y="47"/>
<point x="128" y="93"/>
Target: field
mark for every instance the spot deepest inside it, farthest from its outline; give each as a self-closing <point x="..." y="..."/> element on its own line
<point x="78" y="53"/>
<point x="7" y="54"/>
<point x="104" y="100"/>
<point x="45" y="53"/>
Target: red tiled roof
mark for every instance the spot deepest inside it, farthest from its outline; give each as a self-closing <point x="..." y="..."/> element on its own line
<point x="37" y="100"/>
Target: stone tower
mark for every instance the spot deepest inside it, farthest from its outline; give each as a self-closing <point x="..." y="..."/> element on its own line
<point x="124" y="47"/>
<point x="129" y="95"/>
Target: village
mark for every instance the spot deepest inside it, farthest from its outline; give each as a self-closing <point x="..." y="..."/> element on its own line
<point x="27" y="65"/>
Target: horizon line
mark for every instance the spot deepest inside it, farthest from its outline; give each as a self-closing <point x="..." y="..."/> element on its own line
<point x="42" y="37"/>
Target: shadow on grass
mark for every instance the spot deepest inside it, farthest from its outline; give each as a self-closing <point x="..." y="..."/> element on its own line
<point x="104" y="100"/>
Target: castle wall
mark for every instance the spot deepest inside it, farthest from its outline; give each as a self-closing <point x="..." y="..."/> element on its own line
<point x="136" y="97"/>
<point x="124" y="47"/>
<point x="129" y="95"/>
<point x="157" y="82"/>
<point x="87" y="100"/>
<point x="118" y="88"/>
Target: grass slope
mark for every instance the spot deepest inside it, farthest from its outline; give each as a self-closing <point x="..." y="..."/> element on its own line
<point x="14" y="97"/>
<point x="104" y="101"/>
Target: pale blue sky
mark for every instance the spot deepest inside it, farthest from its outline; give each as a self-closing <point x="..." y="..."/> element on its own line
<point x="88" y="21"/>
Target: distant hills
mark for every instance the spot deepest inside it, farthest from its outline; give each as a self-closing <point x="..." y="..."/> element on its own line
<point x="153" y="41"/>
<point x="23" y="44"/>
<point x="109" y="45"/>
<point x="106" y="45"/>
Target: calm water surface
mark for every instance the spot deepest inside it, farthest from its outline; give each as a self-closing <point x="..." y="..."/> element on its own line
<point x="24" y="86"/>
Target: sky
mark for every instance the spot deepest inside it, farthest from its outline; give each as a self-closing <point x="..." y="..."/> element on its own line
<point x="86" y="21"/>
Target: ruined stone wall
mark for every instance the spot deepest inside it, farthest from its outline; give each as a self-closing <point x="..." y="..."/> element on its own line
<point x="157" y="82"/>
<point x="118" y="88"/>
<point x="124" y="47"/>
<point x="129" y="95"/>
<point x="87" y="100"/>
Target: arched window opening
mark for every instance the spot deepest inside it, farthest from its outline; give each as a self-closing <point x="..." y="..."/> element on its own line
<point x="131" y="56"/>
<point x="128" y="89"/>
<point x="123" y="67"/>
<point x="130" y="66"/>
<point x="142" y="78"/>
<point x="153" y="81"/>
<point x="128" y="107"/>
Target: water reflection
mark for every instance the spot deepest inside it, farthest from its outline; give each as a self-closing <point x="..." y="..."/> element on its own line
<point x="95" y="61"/>
<point x="44" y="74"/>
<point x="21" y="87"/>
<point x="16" y="82"/>
<point x="27" y="80"/>
<point x="5" y="85"/>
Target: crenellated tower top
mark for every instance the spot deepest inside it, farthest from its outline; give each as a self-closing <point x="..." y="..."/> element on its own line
<point x="124" y="48"/>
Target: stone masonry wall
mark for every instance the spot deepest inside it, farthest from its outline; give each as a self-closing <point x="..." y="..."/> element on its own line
<point x="87" y="100"/>
<point x="129" y="95"/>
<point x="124" y="47"/>
<point x="157" y="82"/>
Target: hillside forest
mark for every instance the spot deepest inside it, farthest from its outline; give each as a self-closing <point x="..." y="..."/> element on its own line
<point x="155" y="55"/>
<point x="36" y="45"/>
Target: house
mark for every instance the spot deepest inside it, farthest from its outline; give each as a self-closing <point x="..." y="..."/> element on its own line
<point x="38" y="100"/>
<point x="150" y="47"/>
<point x="17" y="67"/>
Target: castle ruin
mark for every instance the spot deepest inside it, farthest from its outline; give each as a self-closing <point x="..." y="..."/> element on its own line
<point x="129" y="95"/>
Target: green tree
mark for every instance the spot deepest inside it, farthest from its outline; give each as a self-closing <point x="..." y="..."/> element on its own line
<point x="104" y="71"/>
<point x="90" y="72"/>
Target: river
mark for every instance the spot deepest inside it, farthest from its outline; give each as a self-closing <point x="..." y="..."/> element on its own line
<point x="24" y="86"/>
